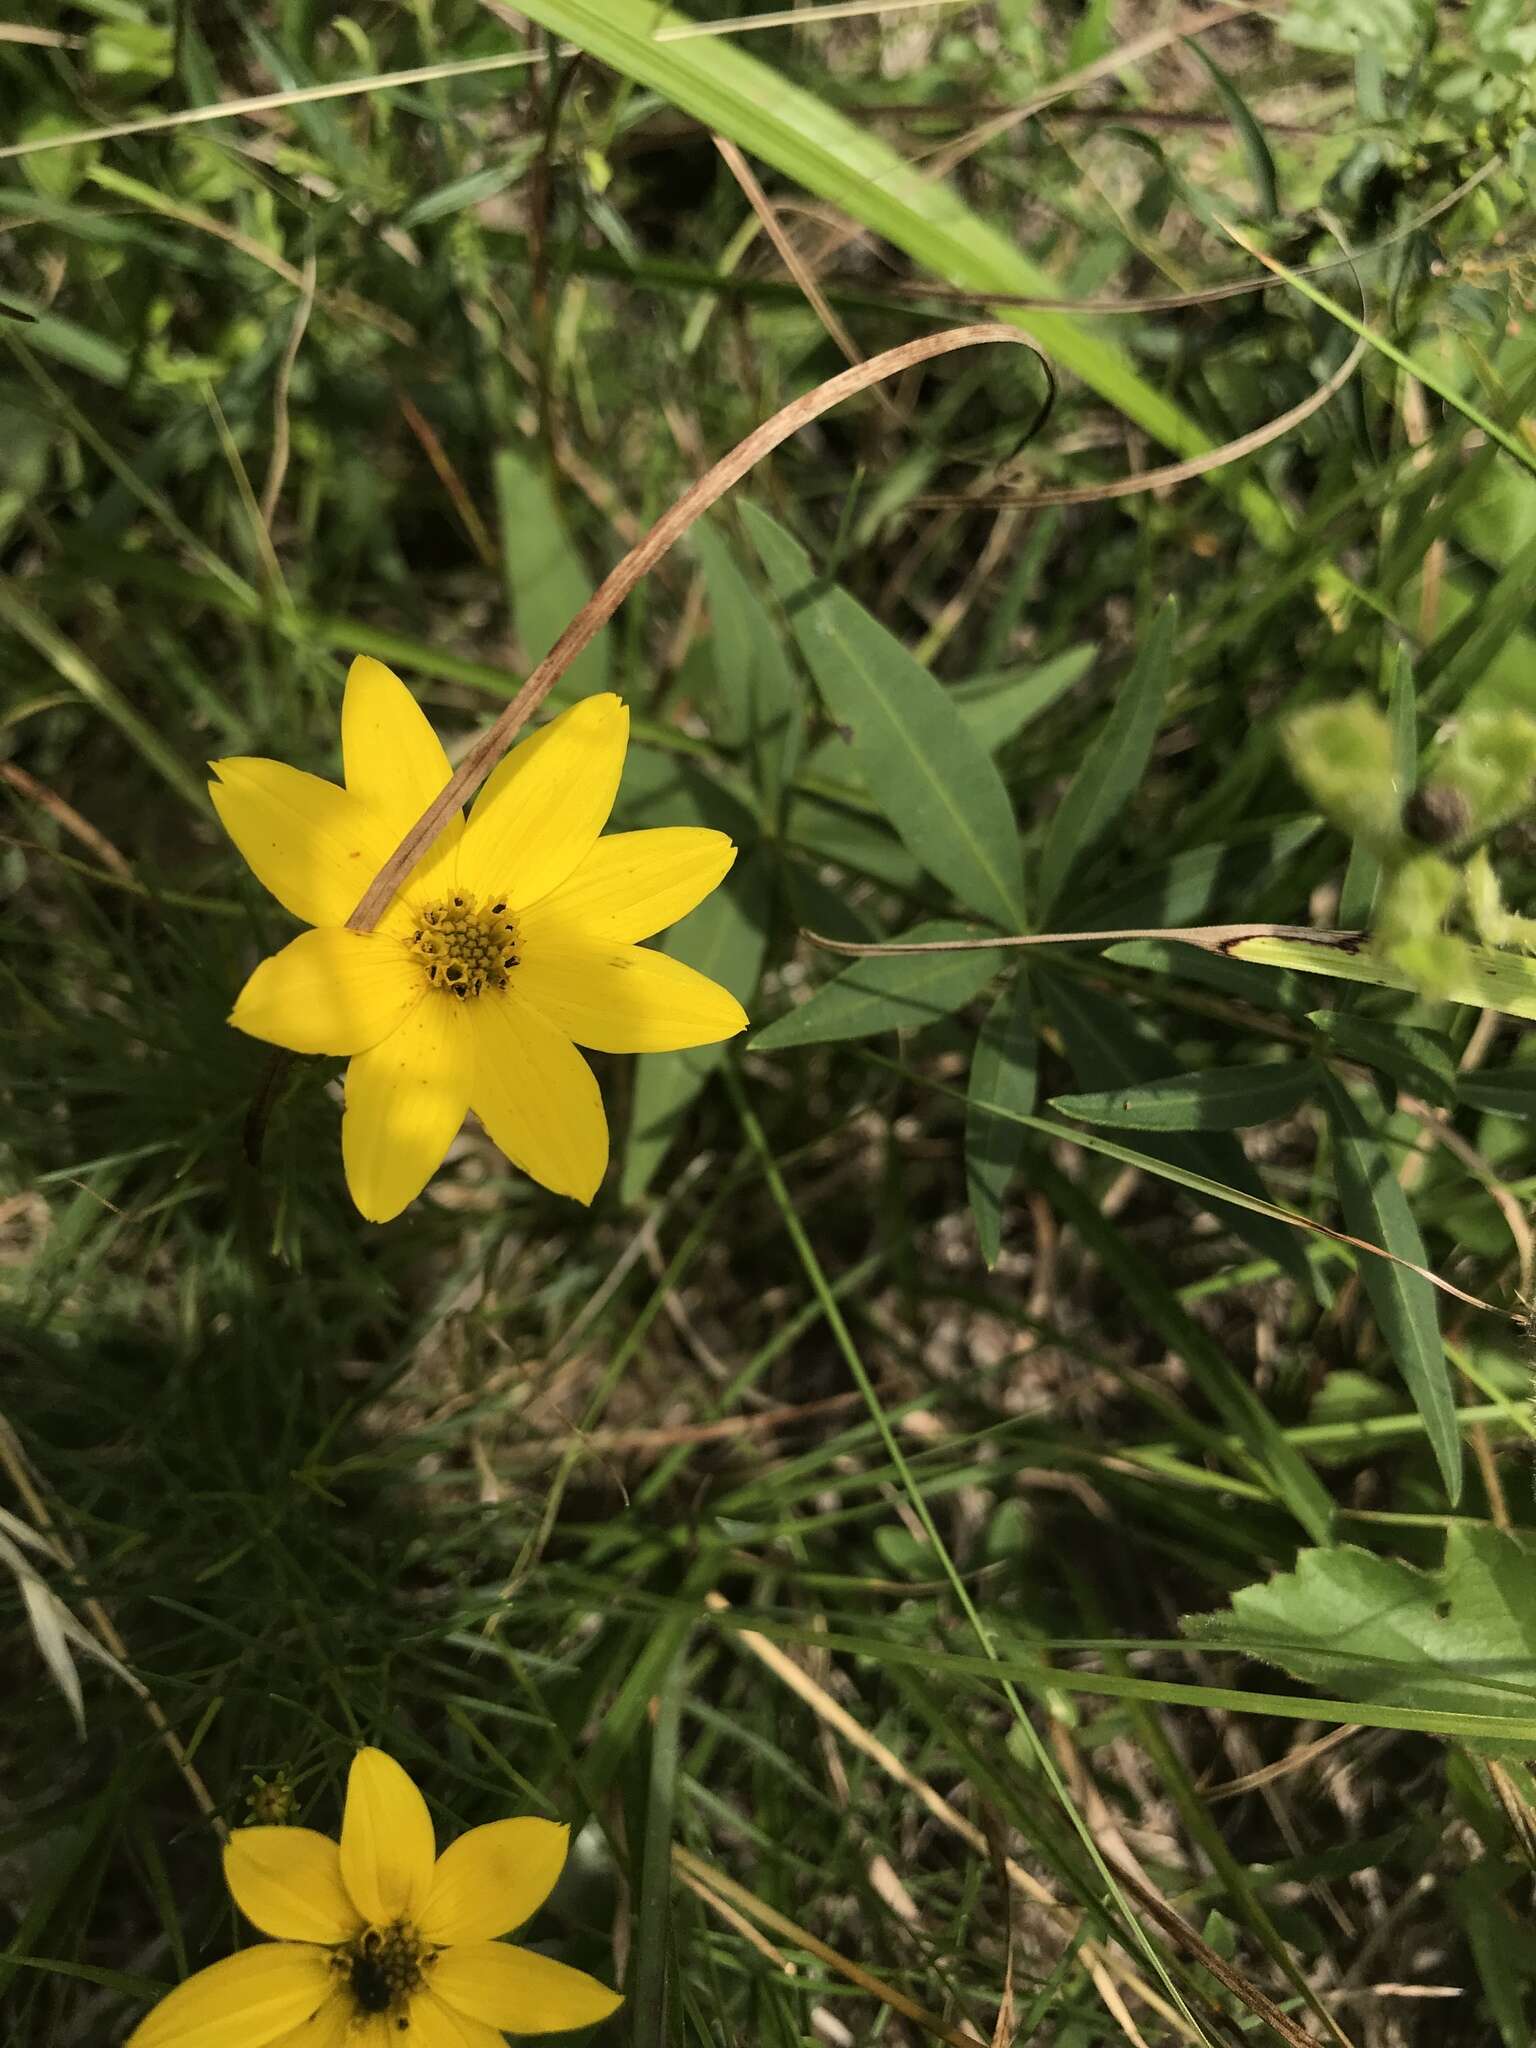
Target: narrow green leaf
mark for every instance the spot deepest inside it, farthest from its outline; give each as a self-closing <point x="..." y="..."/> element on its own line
<point x="1219" y="1099"/>
<point x="998" y="707"/>
<point x="1110" y="1049"/>
<point x="1511" y="1091"/>
<point x="931" y="778"/>
<point x="724" y="938"/>
<point x="1261" y="164"/>
<point x="759" y="702"/>
<point x="1109" y="772"/>
<point x="1002" y="1070"/>
<point x="546" y="581"/>
<point x="1213" y="1372"/>
<point x="103" y="695"/>
<point x="887" y="992"/>
<point x="1362" y="877"/>
<point x="1374" y="1207"/>
<point x="1421" y="1060"/>
<point x="1486" y="979"/>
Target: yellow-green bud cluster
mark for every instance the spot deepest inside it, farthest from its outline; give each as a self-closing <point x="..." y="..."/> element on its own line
<point x="465" y="949"/>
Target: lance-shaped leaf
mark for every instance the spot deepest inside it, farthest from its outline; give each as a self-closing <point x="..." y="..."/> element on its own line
<point x="887" y="992"/>
<point x="1375" y="1208"/>
<point x="1002" y="1073"/>
<point x="920" y="761"/>
<point x="1110" y="770"/>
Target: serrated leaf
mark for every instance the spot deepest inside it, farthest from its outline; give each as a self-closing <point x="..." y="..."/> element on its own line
<point x="759" y="703"/>
<point x="929" y="775"/>
<point x="1219" y="1099"/>
<point x="1421" y="1060"/>
<point x="887" y="992"/>
<point x="546" y="580"/>
<point x="724" y="938"/>
<point x="1357" y="1626"/>
<point x="1109" y="772"/>
<point x="1003" y="1071"/>
<point x="1374" y="1207"/>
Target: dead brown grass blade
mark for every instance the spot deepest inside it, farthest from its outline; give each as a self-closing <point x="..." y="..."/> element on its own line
<point x="710" y="1883"/>
<point x="1174" y="472"/>
<point x="620" y="581"/>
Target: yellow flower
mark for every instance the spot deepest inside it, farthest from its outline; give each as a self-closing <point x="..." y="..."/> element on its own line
<point x="379" y="1942"/>
<point x="512" y="941"/>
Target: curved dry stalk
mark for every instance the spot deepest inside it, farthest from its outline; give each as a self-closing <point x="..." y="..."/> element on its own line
<point x="1209" y="938"/>
<point x="621" y="580"/>
<point x="1177" y="472"/>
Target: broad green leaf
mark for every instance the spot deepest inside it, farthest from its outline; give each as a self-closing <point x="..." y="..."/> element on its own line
<point x="1421" y="1060"/>
<point x="1212" y="1371"/>
<point x="1002" y="1070"/>
<point x="1374" y="1207"/>
<point x="887" y="992"/>
<point x="546" y="583"/>
<point x="759" y="702"/>
<point x="1460" y="1639"/>
<point x="1109" y="772"/>
<point x="1110" y="1049"/>
<point x="1487" y="979"/>
<point x="1219" y="1099"/>
<point x="996" y="708"/>
<point x="933" y="781"/>
<point x="724" y="938"/>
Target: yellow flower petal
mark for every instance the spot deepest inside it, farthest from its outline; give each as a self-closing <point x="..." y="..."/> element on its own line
<point x="287" y="1882"/>
<point x="311" y="844"/>
<point x="394" y="762"/>
<point x="537" y="1097"/>
<point x="625" y="998"/>
<point x="392" y="758"/>
<point x="247" y="2001"/>
<point x="435" y="2025"/>
<point x="493" y="1879"/>
<point x="539" y="814"/>
<point x="634" y="884"/>
<point x="387" y="1846"/>
<point x="330" y="2027"/>
<point x="518" y="1991"/>
<point x="330" y="991"/>
<point x="406" y="1099"/>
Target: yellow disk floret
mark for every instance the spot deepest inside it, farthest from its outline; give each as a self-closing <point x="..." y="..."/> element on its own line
<point x="464" y="949"/>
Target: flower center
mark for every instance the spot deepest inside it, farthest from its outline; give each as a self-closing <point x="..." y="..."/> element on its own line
<point x="464" y="949"/>
<point x="384" y="1967"/>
